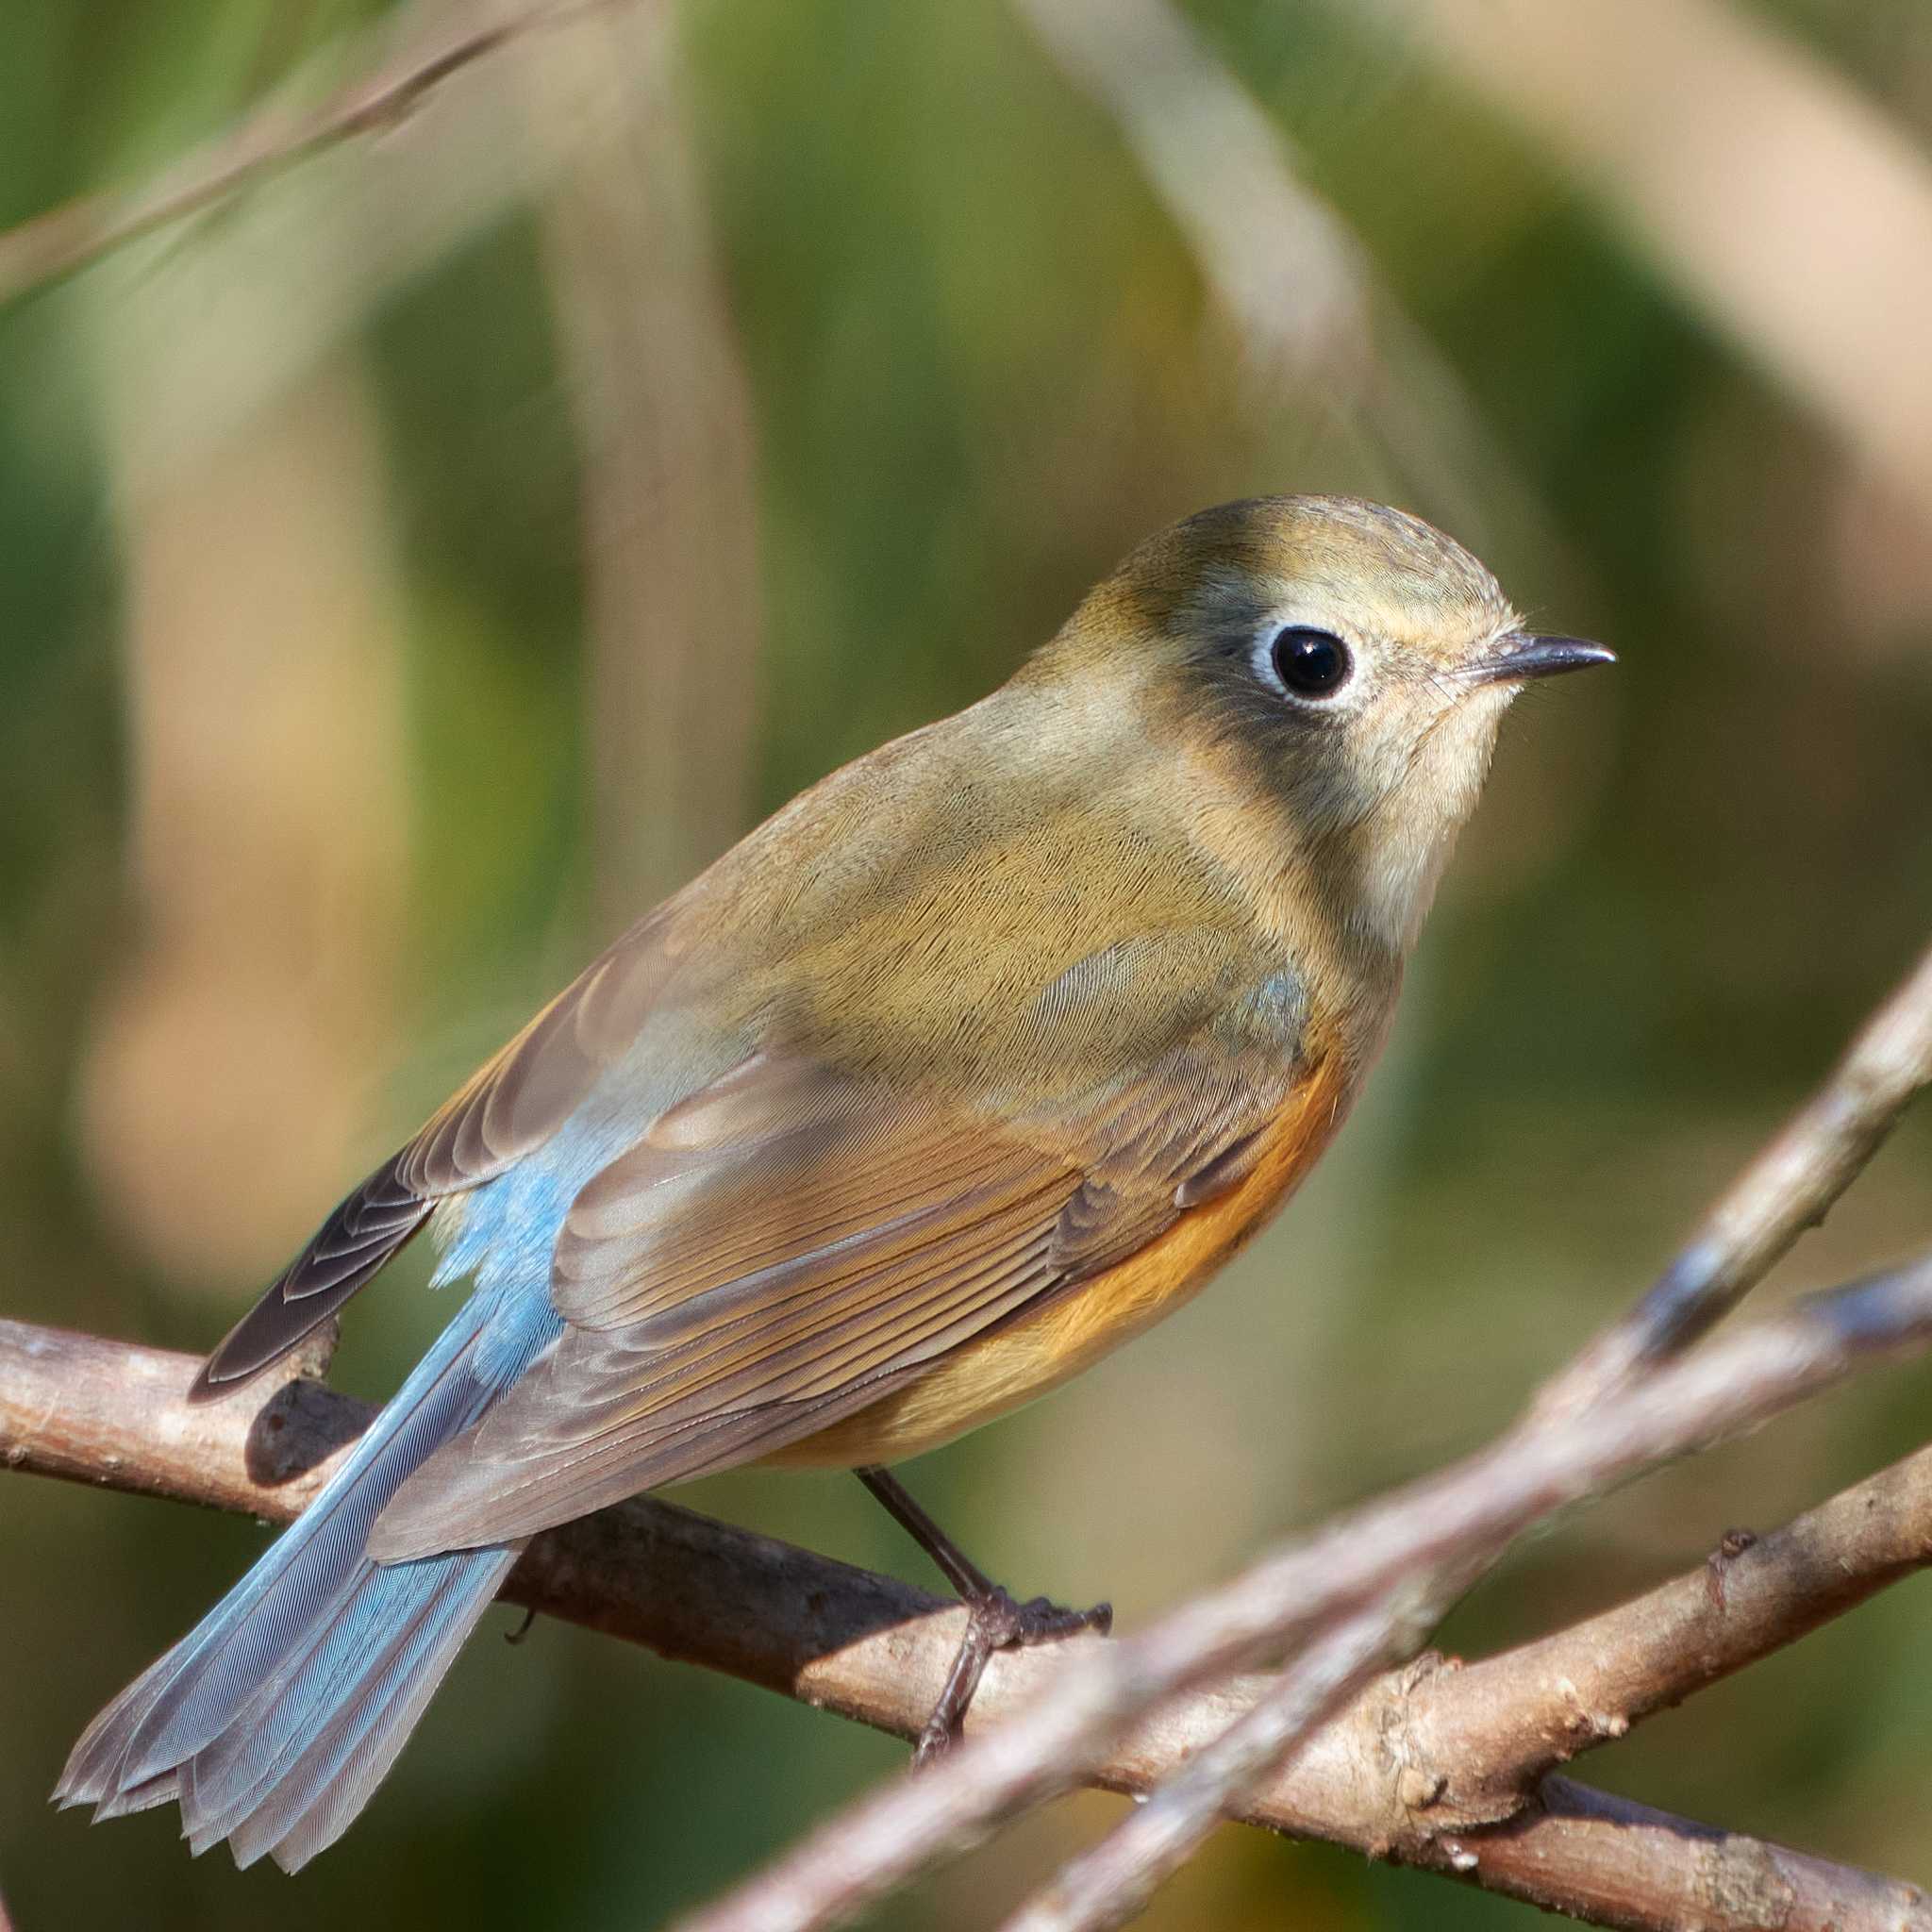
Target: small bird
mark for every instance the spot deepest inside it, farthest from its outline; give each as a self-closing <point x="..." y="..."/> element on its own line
<point x="978" y="1059"/>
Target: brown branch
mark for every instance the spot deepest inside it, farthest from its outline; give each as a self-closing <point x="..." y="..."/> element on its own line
<point x="1442" y="1528"/>
<point x="1405" y="1772"/>
<point x="1788" y="1188"/>
<point x="76" y="234"/>
<point x="1112" y="1883"/>
<point x="873" y="1649"/>
<point x="1448" y="1750"/>
<point x="1606" y="1859"/>
<point x="1454" y="1525"/>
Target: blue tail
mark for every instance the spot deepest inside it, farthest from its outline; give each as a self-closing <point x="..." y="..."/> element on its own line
<point x="274" y="1720"/>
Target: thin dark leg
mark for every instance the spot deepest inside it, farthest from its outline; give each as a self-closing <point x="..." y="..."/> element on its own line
<point x="959" y="1568"/>
<point x="994" y="1621"/>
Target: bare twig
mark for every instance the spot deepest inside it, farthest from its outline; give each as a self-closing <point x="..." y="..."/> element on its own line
<point x="1414" y="1537"/>
<point x="1401" y="1774"/>
<point x="1785" y="1189"/>
<point x="1111" y="1884"/>
<point x="1566" y="1439"/>
<point x="1790" y="1186"/>
<point x="1509" y="1718"/>
<point x="1442" y="1752"/>
<point x="64" y="1407"/>
<point x="67" y="239"/>
<point x="108" y="1414"/>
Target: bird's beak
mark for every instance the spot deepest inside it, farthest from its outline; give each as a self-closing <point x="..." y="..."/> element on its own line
<point x="1522" y="655"/>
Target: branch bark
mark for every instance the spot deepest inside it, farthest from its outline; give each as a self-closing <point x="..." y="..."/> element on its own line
<point x="1789" y="1186"/>
<point x="1406" y="1771"/>
<point x="1590" y="1428"/>
<point x="1113" y="1713"/>
<point x="1412" y="1544"/>
<point x="1613" y="1862"/>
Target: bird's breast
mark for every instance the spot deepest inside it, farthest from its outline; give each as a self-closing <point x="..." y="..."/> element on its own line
<point x="1069" y="1330"/>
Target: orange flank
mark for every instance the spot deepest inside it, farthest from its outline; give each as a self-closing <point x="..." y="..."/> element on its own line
<point x="996" y="1373"/>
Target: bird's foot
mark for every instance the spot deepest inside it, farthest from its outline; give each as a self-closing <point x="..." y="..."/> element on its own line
<point x="994" y="1621"/>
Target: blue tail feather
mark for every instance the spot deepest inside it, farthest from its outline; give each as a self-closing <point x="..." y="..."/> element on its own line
<point x="351" y="1715"/>
<point x="274" y="1719"/>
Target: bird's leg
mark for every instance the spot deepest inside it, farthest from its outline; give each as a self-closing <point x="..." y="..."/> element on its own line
<point x="994" y="1620"/>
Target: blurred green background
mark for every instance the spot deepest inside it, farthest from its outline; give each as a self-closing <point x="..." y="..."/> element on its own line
<point x="410" y="569"/>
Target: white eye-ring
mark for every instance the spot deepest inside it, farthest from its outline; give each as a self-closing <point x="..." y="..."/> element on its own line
<point x="1305" y="661"/>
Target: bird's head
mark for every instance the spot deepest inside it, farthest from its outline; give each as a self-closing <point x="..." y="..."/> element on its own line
<point x="1342" y="664"/>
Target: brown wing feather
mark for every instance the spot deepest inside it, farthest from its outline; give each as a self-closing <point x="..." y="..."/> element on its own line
<point x="509" y="1107"/>
<point x="737" y="1290"/>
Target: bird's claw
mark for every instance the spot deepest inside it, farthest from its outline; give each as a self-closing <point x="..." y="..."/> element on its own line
<point x="994" y="1621"/>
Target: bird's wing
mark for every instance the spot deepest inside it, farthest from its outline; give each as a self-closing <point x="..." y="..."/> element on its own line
<point x="510" y="1107"/>
<point x="787" y="1244"/>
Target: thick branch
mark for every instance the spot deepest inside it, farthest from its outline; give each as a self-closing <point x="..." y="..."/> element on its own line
<point x="67" y="239"/>
<point x="1403" y="1773"/>
<point x="1425" y="1532"/>
<point x="1610" y="1862"/>
<point x="1788" y="1188"/>
<point x="1576" y="1441"/>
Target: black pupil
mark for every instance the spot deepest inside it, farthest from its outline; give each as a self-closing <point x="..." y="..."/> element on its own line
<point x="1310" y="662"/>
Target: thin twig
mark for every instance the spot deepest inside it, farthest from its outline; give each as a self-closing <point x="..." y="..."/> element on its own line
<point x="76" y="234"/>
<point x="1790" y="1186"/>
<point x="1399" y="1774"/>
<point x="1787" y="1188"/>
<point x="1112" y="1883"/>
<point x="1473" y="1511"/>
<point x="1470" y="1513"/>
<point x="65" y="1407"/>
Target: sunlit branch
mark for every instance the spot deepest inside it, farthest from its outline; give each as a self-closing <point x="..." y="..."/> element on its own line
<point x="1468" y="1741"/>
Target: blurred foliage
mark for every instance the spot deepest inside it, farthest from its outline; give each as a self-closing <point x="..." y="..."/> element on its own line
<point x="982" y="363"/>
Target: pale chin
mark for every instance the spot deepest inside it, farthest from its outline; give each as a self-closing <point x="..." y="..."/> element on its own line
<point x="1417" y="833"/>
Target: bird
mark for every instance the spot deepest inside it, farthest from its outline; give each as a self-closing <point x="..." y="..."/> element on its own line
<point x="962" y="1070"/>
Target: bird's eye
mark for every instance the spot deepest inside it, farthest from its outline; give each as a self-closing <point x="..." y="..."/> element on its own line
<point x="1310" y="663"/>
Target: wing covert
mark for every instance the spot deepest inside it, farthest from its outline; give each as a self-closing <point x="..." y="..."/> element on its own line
<point x="787" y="1245"/>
